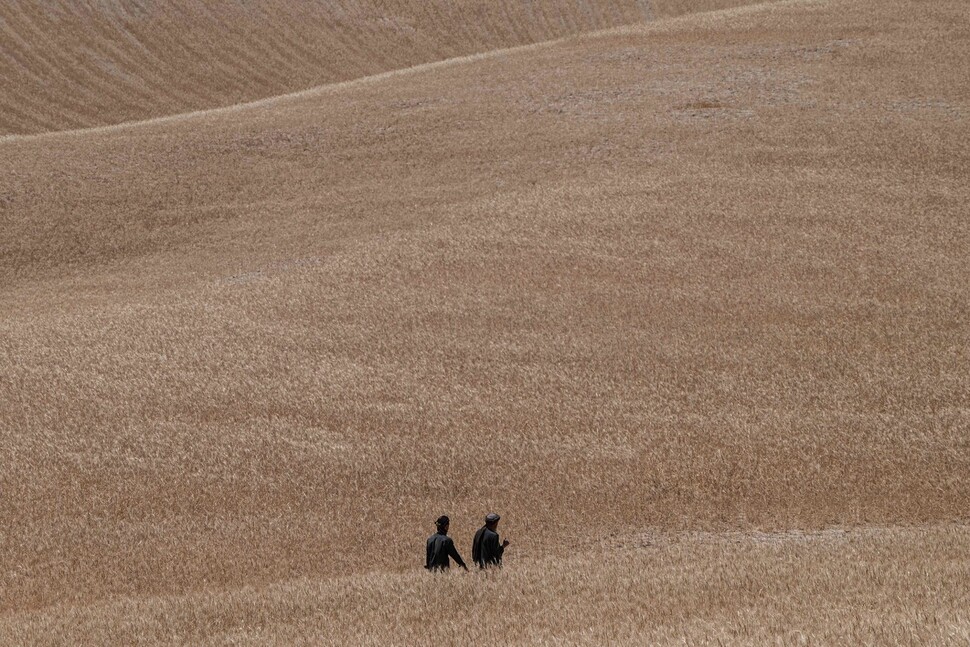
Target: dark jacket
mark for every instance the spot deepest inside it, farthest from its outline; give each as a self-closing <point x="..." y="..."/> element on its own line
<point x="486" y="549"/>
<point x="440" y="549"/>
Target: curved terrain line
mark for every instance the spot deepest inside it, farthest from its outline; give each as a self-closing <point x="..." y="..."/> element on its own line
<point x="339" y="85"/>
<point x="116" y="62"/>
<point x="373" y="78"/>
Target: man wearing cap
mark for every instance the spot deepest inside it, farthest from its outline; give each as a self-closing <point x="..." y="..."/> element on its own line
<point x="441" y="547"/>
<point x="486" y="550"/>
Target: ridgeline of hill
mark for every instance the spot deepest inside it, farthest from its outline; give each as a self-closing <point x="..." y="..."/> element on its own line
<point x="67" y="64"/>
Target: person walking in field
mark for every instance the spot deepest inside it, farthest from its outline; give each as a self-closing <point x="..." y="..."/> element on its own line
<point x="486" y="549"/>
<point x="441" y="548"/>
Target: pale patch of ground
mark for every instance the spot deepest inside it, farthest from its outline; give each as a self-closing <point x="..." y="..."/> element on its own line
<point x="899" y="586"/>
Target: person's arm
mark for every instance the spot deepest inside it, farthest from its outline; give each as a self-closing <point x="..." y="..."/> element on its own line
<point x="453" y="553"/>
<point x="427" y="558"/>
<point x="477" y="548"/>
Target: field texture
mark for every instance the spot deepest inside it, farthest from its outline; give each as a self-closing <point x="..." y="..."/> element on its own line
<point x="687" y="301"/>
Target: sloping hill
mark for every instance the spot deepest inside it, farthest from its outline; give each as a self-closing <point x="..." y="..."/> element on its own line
<point x="696" y="276"/>
<point x="67" y="64"/>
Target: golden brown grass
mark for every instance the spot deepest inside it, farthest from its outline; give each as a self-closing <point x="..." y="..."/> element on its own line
<point x="706" y="274"/>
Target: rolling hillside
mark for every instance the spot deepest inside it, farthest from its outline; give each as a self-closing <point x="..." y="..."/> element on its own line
<point x="67" y="64"/>
<point x="687" y="301"/>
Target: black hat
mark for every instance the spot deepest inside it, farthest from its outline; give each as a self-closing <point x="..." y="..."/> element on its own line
<point x="491" y="517"/>
<point x="443" y="520"/>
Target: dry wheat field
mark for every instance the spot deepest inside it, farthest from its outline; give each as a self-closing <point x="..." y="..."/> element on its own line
<point x="681" y="288"/>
